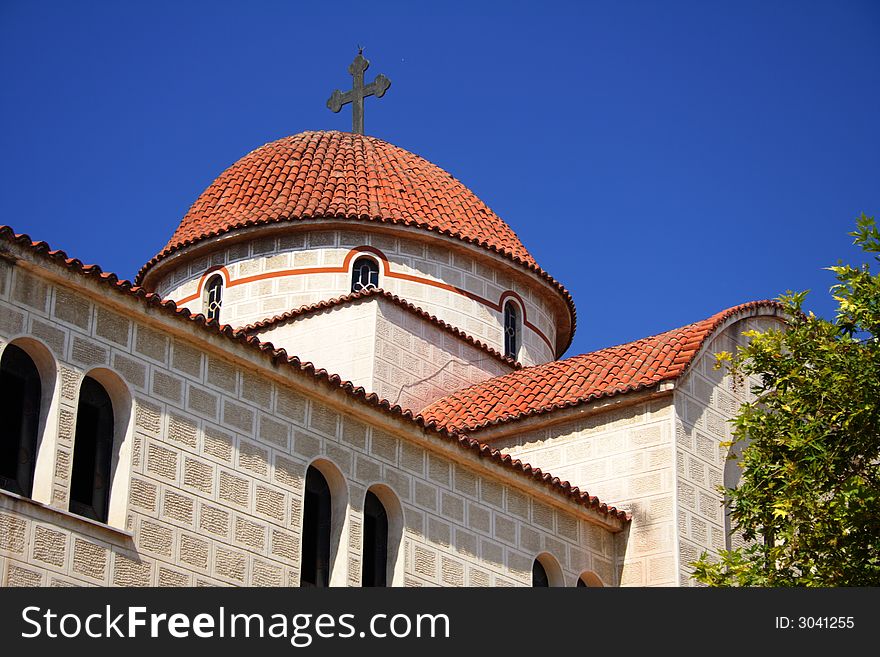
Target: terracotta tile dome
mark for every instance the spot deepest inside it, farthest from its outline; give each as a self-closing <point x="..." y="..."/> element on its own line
<point x="342" y="175"/>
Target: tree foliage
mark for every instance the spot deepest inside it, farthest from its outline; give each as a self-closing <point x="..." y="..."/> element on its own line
<point x="808" y="504"/>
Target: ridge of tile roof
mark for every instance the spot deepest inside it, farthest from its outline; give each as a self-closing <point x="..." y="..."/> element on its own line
<point x="334" y="382"/>
<point x="541" y="389"/>
<point x="355" y="297"/>
<point x="341" y="175"/>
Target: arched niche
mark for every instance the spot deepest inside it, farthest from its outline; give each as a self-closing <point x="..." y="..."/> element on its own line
<point x="589" y="579"/>
<point x="47" y="434"/>
<point x="339" y="518"/>
<point x="394" y="512"/>
<point x="551" y="568"/>
<point x="123" y="421"/>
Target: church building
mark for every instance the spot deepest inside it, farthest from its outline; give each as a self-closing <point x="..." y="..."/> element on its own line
<point x="344" y="369"/>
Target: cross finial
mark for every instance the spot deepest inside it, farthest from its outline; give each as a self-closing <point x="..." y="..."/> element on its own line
<point x="358" y="92"/>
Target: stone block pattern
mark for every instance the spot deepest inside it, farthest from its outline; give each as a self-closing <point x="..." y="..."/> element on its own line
<point x="322" y="249"/>
<point x="378" y="345"/>
<point x="704" y="400"/>
<point x="341" y="340"/>
<point x="417" y="362"/>
<point x="219" y="452"/>
<point x="624" y="456"/>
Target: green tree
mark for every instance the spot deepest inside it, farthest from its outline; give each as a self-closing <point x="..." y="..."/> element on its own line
<point x="808" y="503"/>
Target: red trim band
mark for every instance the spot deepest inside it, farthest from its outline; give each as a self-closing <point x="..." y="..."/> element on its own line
<point x="386" y="267"/>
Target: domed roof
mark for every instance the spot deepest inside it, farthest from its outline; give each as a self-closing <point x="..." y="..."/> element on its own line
<point x="341" y="175"/>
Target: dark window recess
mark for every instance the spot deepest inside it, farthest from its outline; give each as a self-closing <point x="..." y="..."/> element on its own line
<point x="364" y="275"/>
<point x="375" y="542"/>
<point x="19" y="419"/>
<point x="539" y="575"/>
<point x="581" y="582"/>
<point x="214" y="298"/>
<point x="511" y="330"/>
<point x="315" y="563"/>
<point x="92" y="452"/>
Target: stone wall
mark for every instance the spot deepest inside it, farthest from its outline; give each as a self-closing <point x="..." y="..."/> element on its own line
<point x="270" y="275"/>
<point x="418" y="362"/>
<point x="214" y="459"/>
<point x="623" y="456"/>
<point x="662" y="460"/>
<point x="705" y="401"/>
<point x="341" y="340"/>
<point x="387" y="349"/>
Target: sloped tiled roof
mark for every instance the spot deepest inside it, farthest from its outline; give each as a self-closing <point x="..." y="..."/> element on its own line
<point x="354" y="297"/>
<point x="565" y="383"/>
<point x="333" y="382"/>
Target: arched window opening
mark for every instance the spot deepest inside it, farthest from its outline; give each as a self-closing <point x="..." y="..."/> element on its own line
<point x="92" y="452"/>
<point x="589" y="580"/>
<point x="375" y="562"/>
<point x="315" y="562"/>
<point x="20" y="396"/>
<point x="546" y="571"/>
<point x="511" y="330"/>
<point x="539" y="575"/>
<point x="214" y="297"/>
<point x="364" y="274"/>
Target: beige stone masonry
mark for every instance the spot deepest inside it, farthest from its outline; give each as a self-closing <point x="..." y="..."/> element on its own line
<point x="393" y="352"/>
<point x="657" y="454"/>
<point x="212" y="465"/>
<point x="420" y="261"/>
<point x="705" y="400"/>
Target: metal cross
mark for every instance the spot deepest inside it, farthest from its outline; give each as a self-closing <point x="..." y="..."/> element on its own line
<point x="358" y="92"/>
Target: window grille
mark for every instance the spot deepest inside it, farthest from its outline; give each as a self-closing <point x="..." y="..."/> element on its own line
<point x="364" y="274"/>
<point x="214" y="297"/>
<point x="511" y="330"/>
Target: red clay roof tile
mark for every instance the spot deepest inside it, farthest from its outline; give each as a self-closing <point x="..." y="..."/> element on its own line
<point x="344" y="175"/>
<point x="565" y="383"/>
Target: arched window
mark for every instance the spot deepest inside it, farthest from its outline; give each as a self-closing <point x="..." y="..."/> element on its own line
<point x="375" y="561"/>
<point x="315" y="561"/>
<point x="539" y="575"/>
<point x="214" y="297"/>
<point x="20" y="394"/>
<point x="92" y="452"/>
<point x="589" y="580"/>
<point x="511" y="330"/>
<point x="546" y="571"/>
<point x="364" y="274"/>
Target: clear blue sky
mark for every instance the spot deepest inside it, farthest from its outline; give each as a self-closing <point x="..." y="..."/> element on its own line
<point x="662" y="160"/>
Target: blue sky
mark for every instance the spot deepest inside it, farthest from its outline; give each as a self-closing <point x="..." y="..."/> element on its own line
<point x="663" y="160"/>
